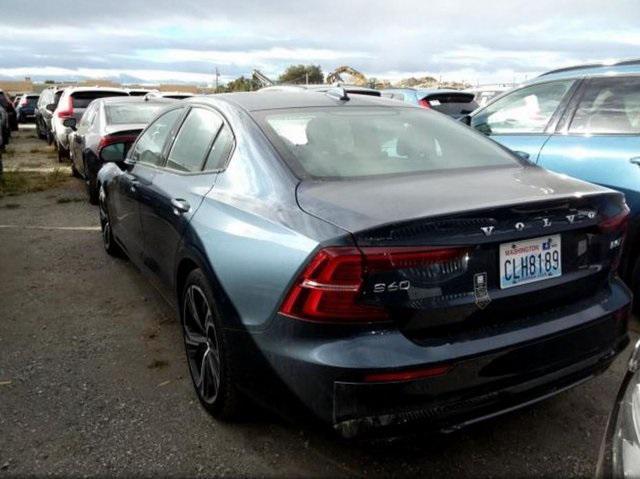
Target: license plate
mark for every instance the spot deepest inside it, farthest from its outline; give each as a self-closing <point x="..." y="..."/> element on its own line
<point x="523" y="262"/>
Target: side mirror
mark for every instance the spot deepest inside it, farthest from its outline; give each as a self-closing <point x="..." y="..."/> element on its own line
<point x="114" y="153"/>
<point x="69" y="123"/>
<point x="523" y="155"/>
<point x="466" y="120"/>
<point x="51" y="107"/>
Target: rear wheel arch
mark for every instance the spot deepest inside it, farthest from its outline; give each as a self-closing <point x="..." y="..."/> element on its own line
<point x="190" y="258"/>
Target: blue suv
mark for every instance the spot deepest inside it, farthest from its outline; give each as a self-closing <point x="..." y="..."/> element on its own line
<point x="582" y="121"/>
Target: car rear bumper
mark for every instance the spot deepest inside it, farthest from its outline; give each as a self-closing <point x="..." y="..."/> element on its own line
<point x="489" y="374"/>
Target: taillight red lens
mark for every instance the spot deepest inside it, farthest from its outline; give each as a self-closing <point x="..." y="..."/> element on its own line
<point x="424" y="103"/>
<point x="329" y="288"/>
<point x="67" y="112"/>
<point x="617" y="222"/>
<point x="110" y="140"/>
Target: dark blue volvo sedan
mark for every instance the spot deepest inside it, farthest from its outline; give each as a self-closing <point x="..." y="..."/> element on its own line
<point x="376" y="263"/>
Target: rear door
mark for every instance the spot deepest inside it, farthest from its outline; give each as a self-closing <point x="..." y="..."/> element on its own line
<point x="142" y="164"/>
<point x="77" y="138"/>
<point x="192" y="165"/>
<point x="522" y="120"/>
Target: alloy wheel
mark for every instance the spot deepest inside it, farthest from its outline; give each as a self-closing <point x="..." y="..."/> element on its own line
<point x="201" y="342"/>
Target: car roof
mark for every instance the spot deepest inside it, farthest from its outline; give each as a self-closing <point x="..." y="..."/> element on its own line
<point x="134" y="99"/>
<point x="75" y="89"/>
<point x="284" y="99"/>
<point x="589" y="70"/>
<point x="426" y="91"/>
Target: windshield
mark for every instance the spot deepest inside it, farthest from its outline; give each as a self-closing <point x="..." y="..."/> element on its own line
<point x="131" y="113"/>
<point x="349" y="142"/>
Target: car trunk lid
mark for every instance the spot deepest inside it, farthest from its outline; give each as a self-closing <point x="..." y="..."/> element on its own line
<point x="468" y="216"/>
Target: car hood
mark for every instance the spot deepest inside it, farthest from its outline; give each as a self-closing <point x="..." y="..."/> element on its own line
<point x="360" y="204"/>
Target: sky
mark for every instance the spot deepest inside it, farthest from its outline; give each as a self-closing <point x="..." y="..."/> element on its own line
<point x="165" y="41"/>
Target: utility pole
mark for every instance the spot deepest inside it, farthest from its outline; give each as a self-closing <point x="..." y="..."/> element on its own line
<point x="217" y="76"/>
<point x="306" y="78"/>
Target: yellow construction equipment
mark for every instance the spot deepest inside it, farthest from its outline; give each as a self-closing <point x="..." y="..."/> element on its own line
<point x="346" y="74"/>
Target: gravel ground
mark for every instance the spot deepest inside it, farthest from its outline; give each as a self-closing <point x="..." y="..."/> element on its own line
<point x="93" y="379"/>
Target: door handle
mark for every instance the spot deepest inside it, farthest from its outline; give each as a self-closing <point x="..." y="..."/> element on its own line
<point x="635" y="160"/>
<point x="180" y="206"/>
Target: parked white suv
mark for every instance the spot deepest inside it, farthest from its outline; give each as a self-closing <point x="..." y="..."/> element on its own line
<point x="73" y="102"/>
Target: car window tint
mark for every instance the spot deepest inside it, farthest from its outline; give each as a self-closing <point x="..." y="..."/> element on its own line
<point x="193" y="140"/>
<point x="343" y="142"/>
<point x="87" y="118"/>
<point x="149" y="146"/>
<point x="609" y="105"/>
<point x="56" y="97"/>
<point x="527" y="110"/>
<point x="220" y="151"/>
<point x="84" y="98"/>
<point x="124" y="113"/>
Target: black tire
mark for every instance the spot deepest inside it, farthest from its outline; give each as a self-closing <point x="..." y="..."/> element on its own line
<point x="108" y="241"/>
<point x="92" y="188"/>
<point x="62" y="154"/>
<point x="50" y="141"/>
<point x="206" y="345"/>
<point x="39" y="132"/>
<point x="635" y="286"/>
<point x="74" y="172"/>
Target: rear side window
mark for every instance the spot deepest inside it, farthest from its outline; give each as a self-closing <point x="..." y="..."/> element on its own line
<point x="220" y="150"/>
<point x="194" y="140"/>
<point x="609" y="105"/>
<point x="56" y="98"/>
<point x="81" y="99"/>
<point x="149" y="146"/>
<point x="527" y="110"/>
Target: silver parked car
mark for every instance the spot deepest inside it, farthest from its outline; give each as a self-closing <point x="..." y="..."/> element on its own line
<point x="73" y="103"/>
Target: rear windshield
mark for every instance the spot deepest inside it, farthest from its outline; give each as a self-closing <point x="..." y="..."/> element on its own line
<point x="131" y="113"/>
<point x="138" y="93"/>
<point x="452" y="104"/>
<point x="82" y="99"/>
<point x="32" y="100"/>
<point x="345" y="142"/>
<point x="178" y="96"/>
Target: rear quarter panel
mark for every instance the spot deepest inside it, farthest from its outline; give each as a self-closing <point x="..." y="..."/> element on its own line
<point x="250" y="229"/>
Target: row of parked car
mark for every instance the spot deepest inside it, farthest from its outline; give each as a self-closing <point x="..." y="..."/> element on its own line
<point x="364" y="255"/>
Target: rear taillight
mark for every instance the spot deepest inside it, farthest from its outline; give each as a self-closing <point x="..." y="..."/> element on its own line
<point x="616" y="226"/>
<point x="618" y="222"/>
<point x="111" y="139"/>
<point x="329" y="288"/>
<point x="68" y="111"/>
<point x="424" y="103"/>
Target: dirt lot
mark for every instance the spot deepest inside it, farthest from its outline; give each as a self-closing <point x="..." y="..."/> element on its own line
<point x="93" y="379"/>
